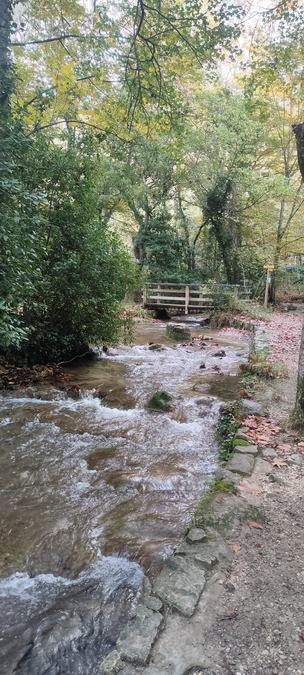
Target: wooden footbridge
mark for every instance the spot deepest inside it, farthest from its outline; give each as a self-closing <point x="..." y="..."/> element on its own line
<point x="187" y="298"/>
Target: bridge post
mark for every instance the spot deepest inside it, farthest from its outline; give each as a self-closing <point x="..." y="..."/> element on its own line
<point x="187" y="297"/>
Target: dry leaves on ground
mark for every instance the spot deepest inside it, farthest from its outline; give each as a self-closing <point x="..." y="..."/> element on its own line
<point x="278" y="462"/>
<point x="255" y="524"/>
<point x="262" y="430"/>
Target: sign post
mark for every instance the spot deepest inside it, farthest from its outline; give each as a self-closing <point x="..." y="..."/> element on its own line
<point x="269" y="269"/>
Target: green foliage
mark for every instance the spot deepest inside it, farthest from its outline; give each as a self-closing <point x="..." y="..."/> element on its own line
<point x="226" y="429"/>
<point x="160" y="401"/>
<point x="64" y="275"/>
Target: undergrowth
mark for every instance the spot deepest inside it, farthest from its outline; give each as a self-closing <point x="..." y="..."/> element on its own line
<point x="259" y="366"/>
<point x="226" y="429"/>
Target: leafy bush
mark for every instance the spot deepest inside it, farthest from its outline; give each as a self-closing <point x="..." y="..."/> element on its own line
<point x="64" y="275"/>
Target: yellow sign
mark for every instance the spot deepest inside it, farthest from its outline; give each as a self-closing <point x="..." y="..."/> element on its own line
<point x="269" y="267"/>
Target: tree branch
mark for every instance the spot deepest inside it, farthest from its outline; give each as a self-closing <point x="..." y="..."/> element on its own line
<point x="56" y="38"/>
<point x="78" y="123"/>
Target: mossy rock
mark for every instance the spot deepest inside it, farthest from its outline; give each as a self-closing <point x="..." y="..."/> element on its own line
<point x="178" y="332"/>
<point x="239" y="441"/>
<point x="160" y="401"/>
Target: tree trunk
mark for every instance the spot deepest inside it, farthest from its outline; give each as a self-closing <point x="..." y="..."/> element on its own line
<point x="298" y="413"/>
<point x="218" y="212"/>
<point x="298" y="130"/>
<point x="5" y="59"/>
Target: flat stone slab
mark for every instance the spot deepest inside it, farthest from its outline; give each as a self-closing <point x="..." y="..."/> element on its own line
<point x="180" y="584"/>
<point x="262" y="467"/>
<point x="136" y="640"/>
<point x="196" y="534"/>
<point x="241" y="463"/>
<point x="247" y="449"/>
<point x="203" y="554"/>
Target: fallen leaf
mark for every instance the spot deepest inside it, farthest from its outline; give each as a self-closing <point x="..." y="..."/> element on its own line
<point x="285" y="447"/>
<point x="278" y="462"/>
<point x="255" y="524"/>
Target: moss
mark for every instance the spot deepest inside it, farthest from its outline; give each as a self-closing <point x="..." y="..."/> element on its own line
<point x="160" y="401"/>
<point x="239" y="441"/>
<point x="218" y="486"/>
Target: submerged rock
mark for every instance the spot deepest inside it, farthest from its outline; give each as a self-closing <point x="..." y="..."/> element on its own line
<point x="178" y="332"/>
<point x="160" y="401"/>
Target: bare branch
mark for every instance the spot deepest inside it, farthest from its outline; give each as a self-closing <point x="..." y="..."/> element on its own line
<point x="56" y="38"/>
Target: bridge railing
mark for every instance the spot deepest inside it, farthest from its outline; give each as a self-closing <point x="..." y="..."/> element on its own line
<point x="187" y="297"/>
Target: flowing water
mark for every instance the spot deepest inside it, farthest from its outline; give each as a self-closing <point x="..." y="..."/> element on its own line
<point x="96" y="491"/>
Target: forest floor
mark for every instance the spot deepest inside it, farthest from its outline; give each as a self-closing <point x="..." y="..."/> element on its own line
<point x="250" y="617"/>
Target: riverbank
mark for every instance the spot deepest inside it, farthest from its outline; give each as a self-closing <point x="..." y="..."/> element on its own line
<point x="233" y="591"/>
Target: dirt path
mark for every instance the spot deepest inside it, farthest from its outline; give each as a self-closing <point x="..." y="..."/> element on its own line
<point x="249" y="617"/>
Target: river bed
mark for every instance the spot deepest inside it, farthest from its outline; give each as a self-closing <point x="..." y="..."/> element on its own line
<point x="96" y="491"/>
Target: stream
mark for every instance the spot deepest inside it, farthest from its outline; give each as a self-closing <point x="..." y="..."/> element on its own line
<point x="96" y="491"/>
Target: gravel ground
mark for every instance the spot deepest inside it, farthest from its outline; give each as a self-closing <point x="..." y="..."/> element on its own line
<point x="263" y="590"/>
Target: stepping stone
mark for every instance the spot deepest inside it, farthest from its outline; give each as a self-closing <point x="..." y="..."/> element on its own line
<point x="180" y="584"/>
<point x="241" y="463"/>
<point x="203" y="554"/>
<point x="196" y="534"/>
<point x="137" y="637"/>
<point x="247" y="449"/>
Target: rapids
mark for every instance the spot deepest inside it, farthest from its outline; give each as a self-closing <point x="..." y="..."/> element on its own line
<point x="96" y="491"/>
